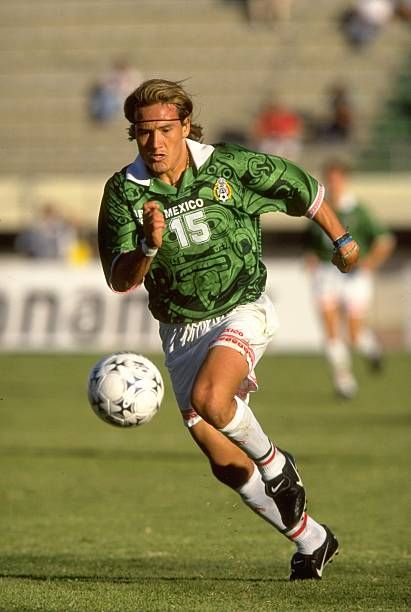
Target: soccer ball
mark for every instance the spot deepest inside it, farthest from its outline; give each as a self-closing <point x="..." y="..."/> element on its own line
<point x="125" y="389"/>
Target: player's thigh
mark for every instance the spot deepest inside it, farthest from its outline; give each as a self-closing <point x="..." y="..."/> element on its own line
<point x="331" y="319"/>
<point x="356" y="323"/>
<point x="327" y="287"/>
<point x="246" y="330"/>
<point x="233" y="353"/>
<point x="220" y="375"/>
<point x="358" y="294"/>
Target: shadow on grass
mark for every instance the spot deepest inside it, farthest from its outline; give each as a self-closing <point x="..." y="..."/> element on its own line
<point x="101" y="453"/>
<point x="132" y="571"/>
<point x="139" y="579"/>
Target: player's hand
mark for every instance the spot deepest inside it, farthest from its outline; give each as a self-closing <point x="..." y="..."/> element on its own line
<point x="153" y="224"/>
<point x="346" y="257"/>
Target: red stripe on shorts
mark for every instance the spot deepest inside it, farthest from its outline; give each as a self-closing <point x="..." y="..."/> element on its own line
<point x="242" y="344"/>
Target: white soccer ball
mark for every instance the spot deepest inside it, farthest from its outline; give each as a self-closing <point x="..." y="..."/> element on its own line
<point x="125" y="389"/>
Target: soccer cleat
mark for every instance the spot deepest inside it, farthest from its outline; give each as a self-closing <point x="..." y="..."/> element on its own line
<point x="288" y="492"/>
<point x="375" y="362"/>
<point x="310" y="567"/>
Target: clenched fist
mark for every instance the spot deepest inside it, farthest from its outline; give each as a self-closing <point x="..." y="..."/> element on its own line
<point x="346" y="258"/>
<point x="153" y="224"/>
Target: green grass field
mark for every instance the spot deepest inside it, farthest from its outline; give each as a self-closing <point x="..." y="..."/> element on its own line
<point x="97" y="518"/>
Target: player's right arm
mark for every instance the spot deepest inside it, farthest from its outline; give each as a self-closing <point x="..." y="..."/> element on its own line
<point x="129" y="269"/>
<point x="126" y="245"/>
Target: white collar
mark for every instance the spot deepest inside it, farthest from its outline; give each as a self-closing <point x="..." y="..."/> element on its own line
<point x="138" y="173"/>
<point x="199" y="152"/>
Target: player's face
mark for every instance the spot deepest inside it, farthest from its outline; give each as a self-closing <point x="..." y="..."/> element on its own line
<point x="160" y="137"/>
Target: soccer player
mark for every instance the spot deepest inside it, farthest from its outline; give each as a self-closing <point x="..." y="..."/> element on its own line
<point x="183" y="218"/>
<point x="343" y="300"/>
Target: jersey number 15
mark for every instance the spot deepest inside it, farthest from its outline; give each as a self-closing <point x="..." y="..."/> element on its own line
<point x="190" y="228"/>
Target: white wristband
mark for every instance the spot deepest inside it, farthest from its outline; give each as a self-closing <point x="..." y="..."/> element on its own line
<point x="148" y="250"/>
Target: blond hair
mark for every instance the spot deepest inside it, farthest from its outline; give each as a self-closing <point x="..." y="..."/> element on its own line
<point x="160" y="91"/>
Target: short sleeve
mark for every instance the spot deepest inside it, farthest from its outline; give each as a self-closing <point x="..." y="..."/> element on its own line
<point x="278" y="185"/>
<point x="117" y="227"/>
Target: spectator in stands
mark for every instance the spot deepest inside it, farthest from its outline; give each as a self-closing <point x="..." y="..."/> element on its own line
<point x="404" y="10"/>
<point x="50" y="237"/>
<point x="338" y="126"/>
<point x="363" y="22"/>
<point x="268" y="12"/>
<point x="107" y="95"/>
<point x="343" y="300"/>
<point x="278" y="130"/>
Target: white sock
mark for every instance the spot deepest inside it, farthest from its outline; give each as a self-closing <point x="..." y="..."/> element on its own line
<point x="246" y="432"/>
<point x="253" y="494"/>
<point x="308" y="535"/>
<point x="339" y="358"/>
<point x="367" y="344"/>
<point x="338" y="355"/>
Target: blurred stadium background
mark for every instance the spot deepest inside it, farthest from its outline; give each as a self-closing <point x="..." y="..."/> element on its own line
<point x="52" y="52"/>
<point x="95" y="518"/>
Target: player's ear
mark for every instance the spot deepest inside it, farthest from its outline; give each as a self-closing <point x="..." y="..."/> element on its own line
<point x="186" y="127"/>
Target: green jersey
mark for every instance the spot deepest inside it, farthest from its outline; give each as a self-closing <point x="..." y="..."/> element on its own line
<point x="210" y="258"/>
<point x="359" y="222"/>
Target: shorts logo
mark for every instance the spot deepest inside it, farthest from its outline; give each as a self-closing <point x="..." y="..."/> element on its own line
<point x="222" y="190"/>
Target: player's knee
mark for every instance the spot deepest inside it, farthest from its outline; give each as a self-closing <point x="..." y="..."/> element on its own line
<point x="211" y="405"/>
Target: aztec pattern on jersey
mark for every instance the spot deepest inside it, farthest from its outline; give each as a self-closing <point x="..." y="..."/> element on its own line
<point x="210" y="259"/>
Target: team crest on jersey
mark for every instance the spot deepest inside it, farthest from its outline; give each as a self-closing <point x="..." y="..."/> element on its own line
<point x="222" y="190"/>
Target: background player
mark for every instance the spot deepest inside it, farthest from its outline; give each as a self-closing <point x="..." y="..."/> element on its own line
<point x="343" y="301"/>
<point x="184" y="218"/>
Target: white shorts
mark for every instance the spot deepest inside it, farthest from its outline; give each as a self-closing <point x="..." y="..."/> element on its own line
<point x="353" y="291"/>
<point x="247" y="329"/>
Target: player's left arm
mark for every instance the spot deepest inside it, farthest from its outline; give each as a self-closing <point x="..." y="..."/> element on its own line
<point x="346" y="249"/>
<point x="286" y="187"/>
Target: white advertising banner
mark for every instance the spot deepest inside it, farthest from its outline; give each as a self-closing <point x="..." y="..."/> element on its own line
<point x="53" y="307"/>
